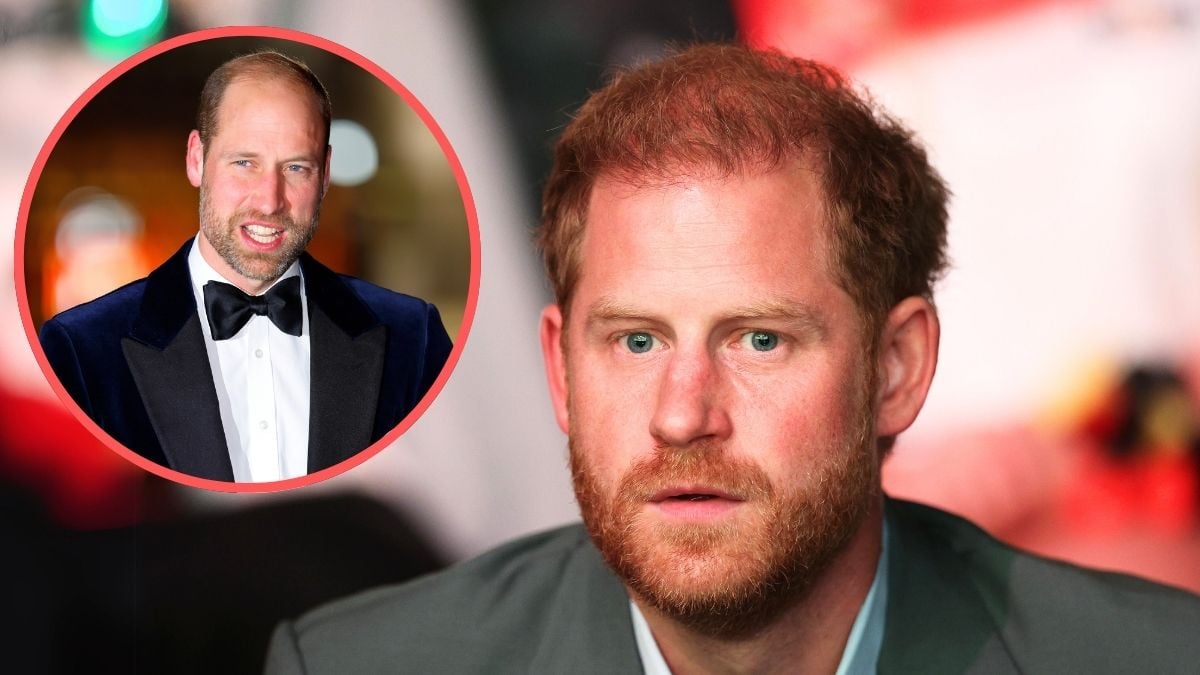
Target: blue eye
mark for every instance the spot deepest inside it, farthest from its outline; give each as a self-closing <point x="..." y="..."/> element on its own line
<point x="639" y="343"/>
<point x="761" y="341"/>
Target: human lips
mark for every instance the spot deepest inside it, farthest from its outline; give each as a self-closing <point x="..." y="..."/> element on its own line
<point x="694" y="502"/>
<point x="692" y="493"/>
<point x="263" y="235"/>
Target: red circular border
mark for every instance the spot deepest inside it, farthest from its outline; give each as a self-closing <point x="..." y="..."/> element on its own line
<point x="313" y="41"/>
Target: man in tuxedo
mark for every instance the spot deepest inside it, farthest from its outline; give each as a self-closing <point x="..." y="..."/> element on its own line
<point x="743" y="251"/>
<point x="242" y="358"/>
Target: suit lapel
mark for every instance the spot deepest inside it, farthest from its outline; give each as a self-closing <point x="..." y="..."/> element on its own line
<point x="937" y="621"/>
<point x="348" y="344"/>
<point x="169" y="363"/>
<point x="589" y="627"/>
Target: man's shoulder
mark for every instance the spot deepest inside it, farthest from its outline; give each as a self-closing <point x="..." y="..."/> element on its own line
<point x="508" y="574"/>
<point x="109" y="312"/>
<point x="165" y="288"/>
<point x="995" y="563"/>
<point x="484" y="615"/>
<point x="1046" y="614"/>
<point x="356" y="300"/>
<point x="380" y="298"/>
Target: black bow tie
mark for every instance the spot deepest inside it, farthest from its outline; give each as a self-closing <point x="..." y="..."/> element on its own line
<point x="229" y="308"/>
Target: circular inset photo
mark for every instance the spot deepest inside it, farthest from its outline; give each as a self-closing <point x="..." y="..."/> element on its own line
<point x="247" y="259"/>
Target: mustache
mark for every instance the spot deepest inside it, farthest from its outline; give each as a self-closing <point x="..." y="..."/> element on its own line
<point x="280" y="220"/>
<point x="703" y="464"/>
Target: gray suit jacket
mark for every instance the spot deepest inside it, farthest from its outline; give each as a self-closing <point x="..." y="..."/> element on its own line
<point x="958" y="601"/>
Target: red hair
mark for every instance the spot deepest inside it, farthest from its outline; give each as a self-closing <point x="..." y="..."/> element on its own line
<point x="730" y="110"/>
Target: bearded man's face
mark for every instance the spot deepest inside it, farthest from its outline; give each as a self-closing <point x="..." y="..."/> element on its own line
<point x="719" y="394"/>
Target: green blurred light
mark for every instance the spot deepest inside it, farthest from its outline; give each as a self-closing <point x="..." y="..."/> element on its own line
<point x="121" y="27"/>
<point x="116" y="18"/>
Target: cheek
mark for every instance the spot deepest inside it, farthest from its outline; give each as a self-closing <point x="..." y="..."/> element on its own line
<point x="304" y="199"/>
<point x="224" y="193"/>
<point x="785" y="421"/>
<point x="609" y="416"/>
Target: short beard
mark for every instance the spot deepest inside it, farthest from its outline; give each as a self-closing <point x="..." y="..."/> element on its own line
<point x="251" y="265"/>
<point x="730" y="581"/>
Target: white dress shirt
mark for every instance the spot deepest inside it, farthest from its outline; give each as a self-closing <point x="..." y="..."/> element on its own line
<point x="860" y="657"/>
<point x="262" y="380"/>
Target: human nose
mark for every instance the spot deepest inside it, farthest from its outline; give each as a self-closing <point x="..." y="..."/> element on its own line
<point x="689" y="406"/>
<point x="269" y="193"/>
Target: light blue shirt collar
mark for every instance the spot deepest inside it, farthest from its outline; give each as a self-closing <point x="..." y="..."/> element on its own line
<point x="860" y="656"/>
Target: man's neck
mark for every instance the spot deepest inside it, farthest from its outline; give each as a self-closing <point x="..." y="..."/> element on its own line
<point x="808" y="637"/>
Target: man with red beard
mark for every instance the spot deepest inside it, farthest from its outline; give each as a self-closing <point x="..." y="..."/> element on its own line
<point x="241" y="358"/>
<point x="743" y="250"/>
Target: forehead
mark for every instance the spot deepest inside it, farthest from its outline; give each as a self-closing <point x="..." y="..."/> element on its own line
<point x="747" y="235"/>
<point x="255" y="101"/>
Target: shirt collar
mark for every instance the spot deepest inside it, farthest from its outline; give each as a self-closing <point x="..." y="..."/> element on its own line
<point x="860" y="656"/>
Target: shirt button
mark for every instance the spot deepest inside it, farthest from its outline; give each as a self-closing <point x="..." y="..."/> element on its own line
<point x="258" y="353"/>
<point x="262" y="424"/>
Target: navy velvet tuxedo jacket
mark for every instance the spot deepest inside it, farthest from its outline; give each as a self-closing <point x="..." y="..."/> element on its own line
<point x="135" y="362"/>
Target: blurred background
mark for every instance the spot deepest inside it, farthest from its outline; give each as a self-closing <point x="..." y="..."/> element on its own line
<point x="1064" y="416"/>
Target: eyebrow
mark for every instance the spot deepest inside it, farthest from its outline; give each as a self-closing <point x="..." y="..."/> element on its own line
<point x="250" y="154"/>
<point x="801" y="316"/>
<point x="300" y="158"/>
<point x="607" y="309"/>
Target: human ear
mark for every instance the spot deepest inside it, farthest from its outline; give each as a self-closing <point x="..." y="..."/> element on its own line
<point x="907" y="359"/>
<point x="195" y="158"/>
<point x="325" y="181"/>
<point x="556" y="367"/>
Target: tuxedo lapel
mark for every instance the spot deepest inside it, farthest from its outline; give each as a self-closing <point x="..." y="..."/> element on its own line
<point x="176" y="387"/>
<point x="169" y="363"/>
<point x="348" y="345"/>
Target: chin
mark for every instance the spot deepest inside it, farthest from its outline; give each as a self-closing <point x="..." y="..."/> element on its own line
<point x="721" y="580"/>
